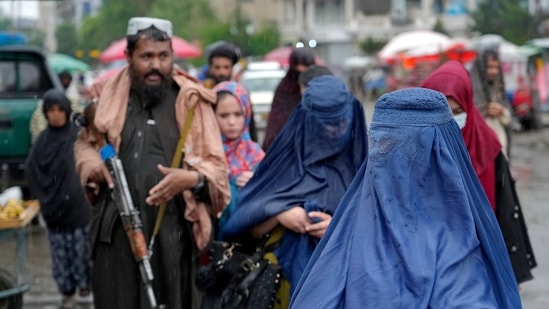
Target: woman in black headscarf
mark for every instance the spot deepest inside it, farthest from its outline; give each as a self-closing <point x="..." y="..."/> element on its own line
<point x="287" y="95"/>
<point x="52" y="179"/>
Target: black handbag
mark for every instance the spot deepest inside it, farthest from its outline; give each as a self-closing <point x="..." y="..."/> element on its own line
<point x="233" y="279"/>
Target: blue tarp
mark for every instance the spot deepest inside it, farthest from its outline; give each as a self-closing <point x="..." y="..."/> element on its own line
<point x="12" y="38"/>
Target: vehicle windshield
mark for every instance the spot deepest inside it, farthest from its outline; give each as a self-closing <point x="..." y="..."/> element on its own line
<point x="261" y="83"/>
<point x="22" y="75"/>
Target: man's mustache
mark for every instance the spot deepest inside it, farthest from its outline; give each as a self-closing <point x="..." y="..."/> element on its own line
<point x="222" y="78"/>
<point x="154" y="72"/>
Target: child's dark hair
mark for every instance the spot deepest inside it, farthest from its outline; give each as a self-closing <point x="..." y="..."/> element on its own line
<point x="151" y="33"/>
<point x="220" y="96"/>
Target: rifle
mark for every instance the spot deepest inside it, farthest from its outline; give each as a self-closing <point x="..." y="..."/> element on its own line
<point x="131" y="220"/>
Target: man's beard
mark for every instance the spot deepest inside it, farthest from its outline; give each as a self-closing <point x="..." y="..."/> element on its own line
<point x="150" y="95"/>
<point x="219" y="78"/>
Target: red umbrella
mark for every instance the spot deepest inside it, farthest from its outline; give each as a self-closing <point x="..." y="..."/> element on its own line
<point x="107" y="74"/>
<point x="181" y="49"/>
<point x="282" y="56"/>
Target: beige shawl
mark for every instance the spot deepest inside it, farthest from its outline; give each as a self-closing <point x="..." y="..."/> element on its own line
<point x="203" y="147"/>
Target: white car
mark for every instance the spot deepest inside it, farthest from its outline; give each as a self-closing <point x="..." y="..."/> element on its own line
<point x="261" y="80"/>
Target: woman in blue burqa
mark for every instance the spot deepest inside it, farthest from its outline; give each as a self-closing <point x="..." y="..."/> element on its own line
<point x="415" y="229"/>
<point x="304" y="174"/>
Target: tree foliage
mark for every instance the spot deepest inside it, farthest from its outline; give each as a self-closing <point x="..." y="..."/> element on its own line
<point x="263" y="41"/>
<point x="67" y="38"/>
<point x="5" y="23"/>
<point x="188" y="17"/>
<point x="371" y="46"/>
<point x="193" y="20"/>
<point x="34" y="37"/>
<point x="508" y="18"/>
<point x="110" y="23"/>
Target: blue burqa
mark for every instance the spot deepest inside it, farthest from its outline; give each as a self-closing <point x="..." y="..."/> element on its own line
<point x="415" y="229"/>
<point x="310" y="164"/>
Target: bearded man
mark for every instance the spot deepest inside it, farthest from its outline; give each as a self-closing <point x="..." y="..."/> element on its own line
<point x="141" y="111"/>
<point x="221" y="62"/>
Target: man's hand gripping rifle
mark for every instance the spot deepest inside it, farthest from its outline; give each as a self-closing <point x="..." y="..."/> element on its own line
<point x="131" y="220"/>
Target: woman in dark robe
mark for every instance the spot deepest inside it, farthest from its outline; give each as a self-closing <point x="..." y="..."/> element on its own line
<point x="490" y="98"/>
<point x="52" y="179"/>
<point x="489" y="163"/>
<point x="287" y="95"/>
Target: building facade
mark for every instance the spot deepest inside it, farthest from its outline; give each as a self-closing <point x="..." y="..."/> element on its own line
<point x="335" y="26"/>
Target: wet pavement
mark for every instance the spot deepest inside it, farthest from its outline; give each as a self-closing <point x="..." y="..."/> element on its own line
<point x="43" y="291"/>
<point x="530" y="166"/>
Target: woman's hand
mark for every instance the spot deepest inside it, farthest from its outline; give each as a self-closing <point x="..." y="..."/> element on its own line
<point x="495" y="109"/>
<point x="295" y="219"/>
<point x="175" y="181"/>
<point x="318" y="229"/>
<point x="243" y="178"/>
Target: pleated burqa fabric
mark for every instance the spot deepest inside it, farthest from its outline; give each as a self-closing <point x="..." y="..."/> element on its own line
<point x="415" y="229"/>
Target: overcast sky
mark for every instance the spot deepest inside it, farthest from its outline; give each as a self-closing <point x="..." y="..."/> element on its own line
<point x="20" y="8"/>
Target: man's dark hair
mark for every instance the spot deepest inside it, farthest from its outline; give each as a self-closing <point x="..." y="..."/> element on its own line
<point x="64" y="75"/>
<point x="312" y="72"/>
<point x="66" y="78"/>
<point x="151" y="33"/>
<point x="226" y="50"/>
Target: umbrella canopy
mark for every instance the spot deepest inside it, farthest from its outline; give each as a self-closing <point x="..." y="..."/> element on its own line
<point x="454" y="49"/>
<point x="282" y="56"/>
<point x="358" y="62"/>
<point x="62" y="62"/>
<point x="411" y="40"/>
<point x="181" y="49"/>
<point x="107" y="74"/>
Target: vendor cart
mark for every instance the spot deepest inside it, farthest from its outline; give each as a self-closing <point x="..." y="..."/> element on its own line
<point x="14" y="281"/>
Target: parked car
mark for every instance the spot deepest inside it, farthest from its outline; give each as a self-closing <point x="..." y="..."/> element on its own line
<point x="24" y="77"/>
<point x="261" y="80"/>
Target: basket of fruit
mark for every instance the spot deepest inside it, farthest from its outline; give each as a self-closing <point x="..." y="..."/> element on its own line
<point x="17" y="213"/>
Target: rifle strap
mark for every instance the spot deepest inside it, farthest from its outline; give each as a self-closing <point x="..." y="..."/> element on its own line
<point x="176" y="161"/>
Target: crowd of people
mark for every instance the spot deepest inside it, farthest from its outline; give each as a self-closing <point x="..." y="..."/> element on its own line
<point x="419" y="211"/>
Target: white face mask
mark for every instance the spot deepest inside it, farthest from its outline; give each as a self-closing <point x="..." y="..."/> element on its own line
<point x="461" y="119"/>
